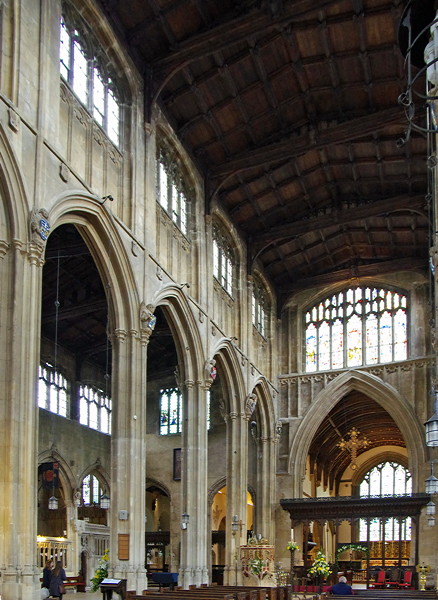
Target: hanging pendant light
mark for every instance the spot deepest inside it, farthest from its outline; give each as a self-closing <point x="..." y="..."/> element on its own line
<point x="430" y="508"/>
<point x="431" y="481"/>
<point x="105" y="502"/>
<point x="53" y="503"/>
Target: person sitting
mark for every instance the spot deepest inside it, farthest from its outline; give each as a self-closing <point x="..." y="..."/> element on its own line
<point x="342" y="588"/>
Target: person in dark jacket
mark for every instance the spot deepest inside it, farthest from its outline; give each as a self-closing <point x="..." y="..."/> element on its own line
<point x="342" y="588"/>
<point x="57" y="580"/>
<point x="47" y="574"/>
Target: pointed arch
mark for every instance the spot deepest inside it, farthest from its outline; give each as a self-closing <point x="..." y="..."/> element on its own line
<point x="184" y="330"/>
<point x="382" y="393"/>
<point x="265" y="407"/>
<point x="15" y="208"/>
<point x="232" y="378"/>
<point x="103" y="238"/>
<point x="66" y="476"/>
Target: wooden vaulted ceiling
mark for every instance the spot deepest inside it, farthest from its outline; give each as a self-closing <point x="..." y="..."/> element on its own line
<point x="328" y="461"/>
<point x="290" y="110"/>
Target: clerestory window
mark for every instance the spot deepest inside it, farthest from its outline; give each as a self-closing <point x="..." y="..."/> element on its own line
<point x="52" y="390"/>
<point x="223" y="260"/>
<point x="92" y="84"/>
<point x="259" y="307"/>
<point x="358" y="326"/>
<point x="171" y="190"/>
<point x="94" y="408"/>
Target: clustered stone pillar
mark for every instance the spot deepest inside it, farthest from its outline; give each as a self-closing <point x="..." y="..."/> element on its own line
<point x="128" y="464"/>
<point x="19" y="306"/>
<point x="195" y="538"/>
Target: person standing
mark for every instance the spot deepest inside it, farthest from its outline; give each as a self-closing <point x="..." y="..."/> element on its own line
<point x="56" y="588"/>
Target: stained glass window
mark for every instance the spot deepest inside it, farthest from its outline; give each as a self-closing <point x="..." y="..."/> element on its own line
<point x="81" y="69"/>
<point x="170" y="411"/>
<point x="171" y="190"/>
<point x="94" y="408"/>
<point x="358" y="326"/>
<point x="91" y="490"/>
<point x="387" y="478"/>
<point x="52" y="390"/>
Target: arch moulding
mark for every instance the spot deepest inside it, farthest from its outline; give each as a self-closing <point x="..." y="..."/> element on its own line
<point x="382" y="393"/>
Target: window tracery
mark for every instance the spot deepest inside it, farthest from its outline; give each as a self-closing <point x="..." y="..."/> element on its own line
<point x="52" y="390"/>
<point x="259" y="307"/>
<point x="83" y="66"/>
<point x="223" y="260"/>
<point x="94" y="408"/>
<point x="386" y="478"/>
<point x="172" y="190"/>
<point x="358" y="326"/>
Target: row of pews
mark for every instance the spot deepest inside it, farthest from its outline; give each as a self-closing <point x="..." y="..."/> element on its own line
<point x="222" y="592"/>
<point x="214" y="592"/>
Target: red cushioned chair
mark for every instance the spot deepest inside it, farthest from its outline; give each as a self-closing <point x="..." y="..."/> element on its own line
<point x="380" y="581"/>
<point x="407" y="580"/>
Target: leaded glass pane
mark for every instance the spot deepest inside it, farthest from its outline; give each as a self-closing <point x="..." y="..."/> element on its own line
<point x="385" y="337"/>
<point x="373" y="329"/>
<point x="324" y="346"/>
<point x="371" y="339"/>
<point x="170" y="411"/>
<point x="81" y="70"/>
<point x="113" y="118"/>
<point x="98" y="97"/>
<point x="337" y="344"/>
<point x="311" y="364"/>
<point x="80" y="73"/>
<point x="64" y="52"/>
<point x="354" y="341"/>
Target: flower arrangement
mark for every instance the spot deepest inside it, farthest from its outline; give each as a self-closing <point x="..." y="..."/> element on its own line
<point x="292" y="546"/>
<point x="257" y="567"/>
<point x="320" y="566"/>
<point x="101" y="572"/>
<point x="357" y="547"/>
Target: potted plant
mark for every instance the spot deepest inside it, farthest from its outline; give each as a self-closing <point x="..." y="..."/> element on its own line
<point x="101" y="572"/>
<point x="320" y="568"/>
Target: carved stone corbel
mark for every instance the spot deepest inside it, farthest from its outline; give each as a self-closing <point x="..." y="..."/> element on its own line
<point x="147" y="321"/>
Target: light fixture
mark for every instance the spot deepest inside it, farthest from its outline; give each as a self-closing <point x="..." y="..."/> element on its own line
<point x="184" y="520"/>
<point x="431" y="482"/>
<point x="105" y="502"/>
<point x="430" y="508"/>
<point x="432" y="424"/>
<point x="431" y="521"/>
<point x="53" y="500"/>
<point x="53" y="503"/>
<point x="236" y="524"/>
<point x="418" y="41"/>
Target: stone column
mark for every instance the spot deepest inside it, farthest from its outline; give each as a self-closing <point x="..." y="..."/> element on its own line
<point x="196" y="537"/>
<point x="128" y="446"/>
<point x="20" y="317"/>
<point x="237" y="477"/>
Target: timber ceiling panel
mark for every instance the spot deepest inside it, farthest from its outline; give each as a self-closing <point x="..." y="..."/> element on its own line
<point x="292" y="109"/>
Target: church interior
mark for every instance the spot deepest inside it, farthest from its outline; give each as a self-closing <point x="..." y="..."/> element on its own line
<point x="218" y="244"/>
